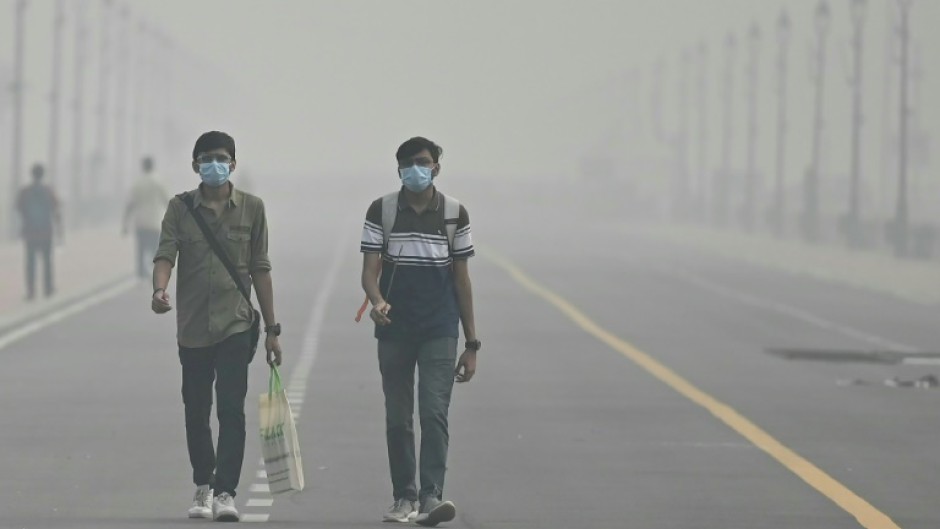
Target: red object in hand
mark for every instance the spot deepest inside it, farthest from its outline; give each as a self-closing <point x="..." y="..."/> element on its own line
<point x="362" y="309"/>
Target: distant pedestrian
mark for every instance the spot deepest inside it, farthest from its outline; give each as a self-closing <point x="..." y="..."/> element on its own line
<point x="39" y="212"/>
<point x="145" y="209"/>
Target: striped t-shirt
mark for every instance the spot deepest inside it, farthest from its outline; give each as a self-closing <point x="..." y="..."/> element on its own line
<point x="423" y="296"/>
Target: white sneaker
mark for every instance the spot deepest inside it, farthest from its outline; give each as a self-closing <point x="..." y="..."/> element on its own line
<point x="402" y="511"/>
<point x="223" y="508"/>
<point x="202" y="503"/>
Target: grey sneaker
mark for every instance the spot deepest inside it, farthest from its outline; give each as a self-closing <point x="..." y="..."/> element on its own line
<point x="202" y="503"/>
<point x="223" y="508"/>
<point x="402" y="511"/>
<point x="434" y="511"/>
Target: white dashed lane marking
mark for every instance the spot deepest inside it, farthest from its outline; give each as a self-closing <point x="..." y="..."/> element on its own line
<point x="260" y="498"/>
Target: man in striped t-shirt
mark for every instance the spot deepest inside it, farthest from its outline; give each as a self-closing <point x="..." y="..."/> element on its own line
<point x="419" y="285"/>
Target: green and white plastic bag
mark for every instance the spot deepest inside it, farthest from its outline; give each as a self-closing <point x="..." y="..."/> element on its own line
<point x="280" y="446"/>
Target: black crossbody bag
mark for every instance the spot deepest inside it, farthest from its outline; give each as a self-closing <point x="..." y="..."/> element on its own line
<point x="229" y="266"/>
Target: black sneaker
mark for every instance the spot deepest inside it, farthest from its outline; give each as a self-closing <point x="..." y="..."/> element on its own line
<point x="434" y="511"/>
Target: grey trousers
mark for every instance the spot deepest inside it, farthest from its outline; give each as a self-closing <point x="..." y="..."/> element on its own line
<point x="435" y="359"/>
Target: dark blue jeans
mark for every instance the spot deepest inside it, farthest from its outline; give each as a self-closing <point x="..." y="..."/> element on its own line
<point x="225" y="364"/>
<point x="435" y="360"/>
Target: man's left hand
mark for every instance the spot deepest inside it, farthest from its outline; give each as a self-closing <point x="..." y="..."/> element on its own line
<point x="466" y="366"/>
<point x="273" y="347"/>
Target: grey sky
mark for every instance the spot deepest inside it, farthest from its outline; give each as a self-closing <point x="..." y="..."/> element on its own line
<point x="507" y="87"/>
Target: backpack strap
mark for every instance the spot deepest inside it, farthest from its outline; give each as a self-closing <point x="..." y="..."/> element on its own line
<point x="451" y="217"/>
<point x="389" y="213"/>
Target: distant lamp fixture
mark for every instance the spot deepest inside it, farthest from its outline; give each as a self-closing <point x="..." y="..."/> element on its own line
<point x="858" y="10"/>
<point x="754" y="32"/>
<point x="823" y="16"/>
<point x="783" y="26"/>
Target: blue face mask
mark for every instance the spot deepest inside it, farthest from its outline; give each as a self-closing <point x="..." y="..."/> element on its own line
<point x="416" y="178"/>
<point x="214" y="174"/>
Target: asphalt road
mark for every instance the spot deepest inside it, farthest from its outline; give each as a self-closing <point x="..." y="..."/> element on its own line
<point x="560" y="428"/>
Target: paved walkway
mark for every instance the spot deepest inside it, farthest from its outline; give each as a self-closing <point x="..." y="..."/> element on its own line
<point x="88" y="260"/>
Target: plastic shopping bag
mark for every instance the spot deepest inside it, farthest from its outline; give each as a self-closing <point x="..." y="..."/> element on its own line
<point x="280" y="446"/>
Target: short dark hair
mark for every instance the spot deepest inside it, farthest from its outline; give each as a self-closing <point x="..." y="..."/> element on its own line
<point x="213" y="140"/>
<point x="38" y="171"/>
<point x="416" y="145"/>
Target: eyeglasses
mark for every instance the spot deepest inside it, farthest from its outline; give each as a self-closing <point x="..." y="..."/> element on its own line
<point x="423" y="161"/>
<point x="209" y="158"/>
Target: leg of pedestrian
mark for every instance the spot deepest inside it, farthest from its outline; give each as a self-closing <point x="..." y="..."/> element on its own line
<point x="30" y="269"/>
<point x="231" y="367"/>
<point x="139" y="253"/>
<point x="397" y="365"/>
<point x="48" y="268"/>
<point x="151" y="241"/>
<point x="436" y="360"/>
<point x="198" y="376"/>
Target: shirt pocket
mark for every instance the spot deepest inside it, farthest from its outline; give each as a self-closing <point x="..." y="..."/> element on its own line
<point x="238" y="243"/>
<point x="193" y="251"/>
<point x="193" y="241"/>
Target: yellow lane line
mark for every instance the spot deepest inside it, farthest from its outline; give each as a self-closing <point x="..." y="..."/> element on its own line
<point x="866" y="514"/>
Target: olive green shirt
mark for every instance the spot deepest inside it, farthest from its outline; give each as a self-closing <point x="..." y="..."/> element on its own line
<point x="209" y="306"/>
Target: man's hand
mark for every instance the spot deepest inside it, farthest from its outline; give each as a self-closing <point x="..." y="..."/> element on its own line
<point x="379" y="313"/>
<point x="273" y="347"/>
<point x="160" y="303"/>
<point x="466" y="366"/>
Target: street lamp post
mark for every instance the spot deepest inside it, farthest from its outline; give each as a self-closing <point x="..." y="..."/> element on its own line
<point x="163" y="96"/>
<point x="724" y="175"/>
<point x="104" y="75"/>
<point x="752" y="185"/>
<point x="55" y="96"/>
<point x="142" y="82"/>
<point x="120" y="110"/>
<point x="702" y="130"/>
<point x="16" y="158"/>
<point x="901" y="220"/>
<point x="682" y="141"/>
<point x="810" y="220"/>
<point x="853" y="230"/>
<point x="77" y="188"/>
<point x="783" y="40"/>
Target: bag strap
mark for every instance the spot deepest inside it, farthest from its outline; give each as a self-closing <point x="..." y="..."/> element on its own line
<point x="389" y="213"/>
<point x="214" y="244"/>
<point x="451" y="217"/>
<point x="274" y="381"/>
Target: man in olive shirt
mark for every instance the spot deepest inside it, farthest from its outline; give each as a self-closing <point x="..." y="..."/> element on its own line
<point x="214" y="319"/>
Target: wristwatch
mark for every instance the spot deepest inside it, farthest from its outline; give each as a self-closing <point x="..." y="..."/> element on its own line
<point x="473" y="345"/>
<point x="273" y="329"/>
